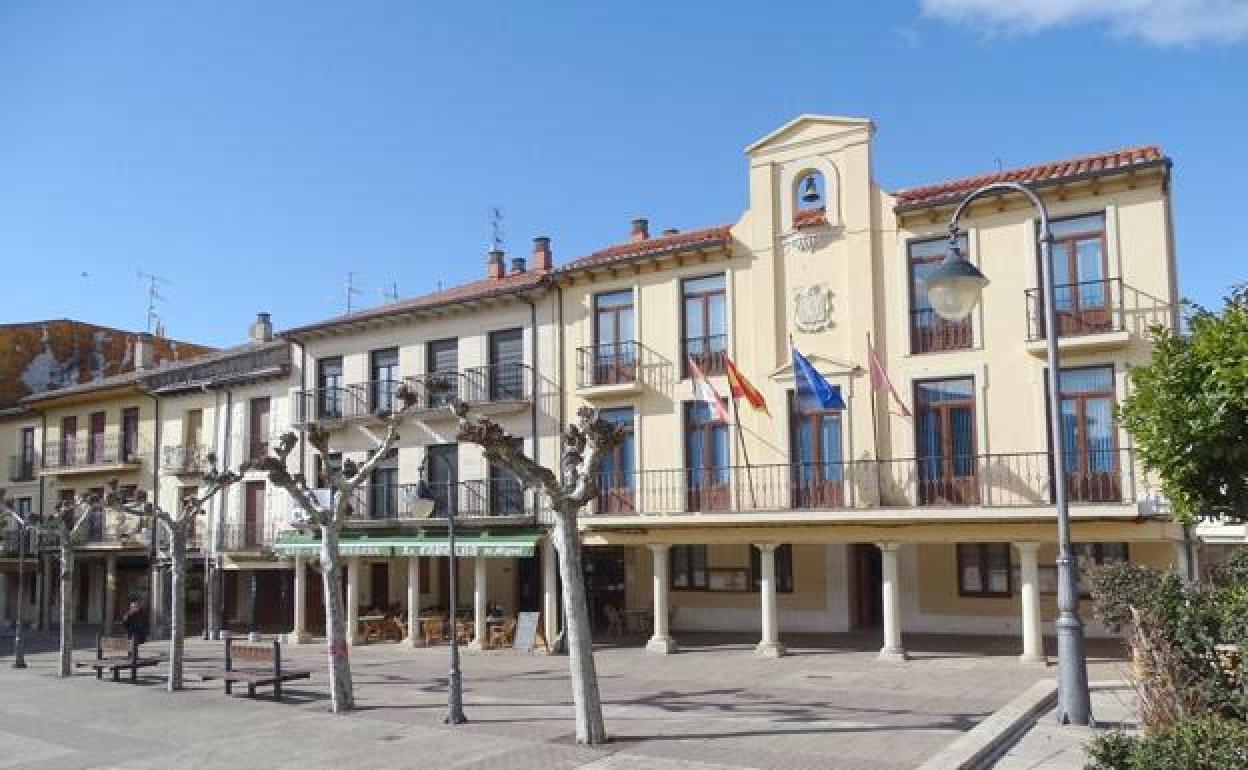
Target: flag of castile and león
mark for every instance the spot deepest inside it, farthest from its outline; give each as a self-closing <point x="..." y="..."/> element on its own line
<point x="743" y="388"/>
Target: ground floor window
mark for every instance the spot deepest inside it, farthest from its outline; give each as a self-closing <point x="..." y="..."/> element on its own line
<point x="689" y="566"/>
<point x="984" y="569"/>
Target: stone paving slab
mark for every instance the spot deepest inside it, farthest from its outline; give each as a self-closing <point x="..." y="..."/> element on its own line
<point x="1050" y="746"/>
<point x="714" y="706"/>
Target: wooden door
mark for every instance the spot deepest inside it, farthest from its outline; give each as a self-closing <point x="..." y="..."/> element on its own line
<point x="866" y="587"/>
<point x="194" y="431"/>
<point x="69" y="441"/>
<point x="615" y="358"/>
<point x="95" y="438"/>
<point x="706" y="460"/>
<point x="818" y="469"/>
<point x="506" y="375"/>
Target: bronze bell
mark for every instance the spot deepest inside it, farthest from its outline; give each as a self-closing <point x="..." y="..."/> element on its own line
<point x="810" y="191"/>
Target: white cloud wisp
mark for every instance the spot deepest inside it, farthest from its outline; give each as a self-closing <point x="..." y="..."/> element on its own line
<point x="1159" y="22"/>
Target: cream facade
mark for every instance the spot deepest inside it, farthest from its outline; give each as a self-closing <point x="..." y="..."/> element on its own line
<point x="935" y="521"/>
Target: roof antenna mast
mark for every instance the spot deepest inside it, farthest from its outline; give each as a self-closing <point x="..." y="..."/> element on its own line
<point x="154" y="282"/>
<point x="353" y="291"/>
<point x="496" y="228"/>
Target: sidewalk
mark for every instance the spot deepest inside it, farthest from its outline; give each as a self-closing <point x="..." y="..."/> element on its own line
<point x="1050" y="746"/>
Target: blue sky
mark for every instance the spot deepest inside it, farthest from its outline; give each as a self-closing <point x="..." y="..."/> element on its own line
<point x="252" y="153"/>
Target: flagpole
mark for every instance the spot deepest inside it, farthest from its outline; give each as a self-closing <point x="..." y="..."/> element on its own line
<point x="745" y="455"/>
<point x="875" y="422"/>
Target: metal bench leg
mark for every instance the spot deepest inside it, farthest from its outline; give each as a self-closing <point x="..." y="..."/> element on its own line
<point x="99" y="673"/>
<point x="134" y="673"/>
<point x="251" y="690"/>
<point x="229" y="687"/>
<point x="277" y="690"/>
<point x="116" y="675"/>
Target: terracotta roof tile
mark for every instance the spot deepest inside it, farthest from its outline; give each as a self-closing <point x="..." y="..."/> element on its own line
<point x="810" y="217"/>
<point x="486" y="287"/>
<point x="1043" y="172"/>
<point x="707" y="236"/>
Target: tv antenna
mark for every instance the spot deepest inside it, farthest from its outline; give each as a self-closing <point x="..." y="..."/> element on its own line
<point x="496" y="228"/>
<point x="154" y="283"/>
<point x="391" y="292"/>
<point x="353" y="291"/>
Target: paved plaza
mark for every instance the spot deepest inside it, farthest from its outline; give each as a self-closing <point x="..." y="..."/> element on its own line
<point x="830" y="704"/>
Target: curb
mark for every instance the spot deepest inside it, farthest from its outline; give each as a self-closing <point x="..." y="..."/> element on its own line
<point x="981" y="744"/>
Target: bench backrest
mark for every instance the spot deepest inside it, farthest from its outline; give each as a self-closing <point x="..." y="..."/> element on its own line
<point x="112" y="645"/>
<point x="262" y="654"/>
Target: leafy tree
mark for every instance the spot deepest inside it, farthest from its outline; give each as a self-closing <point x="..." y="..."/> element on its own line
<point x="1188" y="411"/>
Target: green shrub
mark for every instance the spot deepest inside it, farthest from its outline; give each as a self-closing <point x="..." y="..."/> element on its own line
<point x="1208" y="743"/>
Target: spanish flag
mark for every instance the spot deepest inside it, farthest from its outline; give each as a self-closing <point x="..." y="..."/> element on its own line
<point x="741" y="388"/>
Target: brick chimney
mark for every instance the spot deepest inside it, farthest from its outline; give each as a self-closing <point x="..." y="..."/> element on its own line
<point x="144" y="351"/>
<point x="543" y="260"/>
<point x="641" y="229"/>
<point x="517" y="265"/>
<point x="262" y="329"/>
<point x="494" y="264"/>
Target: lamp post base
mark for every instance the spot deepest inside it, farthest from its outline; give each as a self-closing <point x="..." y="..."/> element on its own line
<point x="19" y="652"/>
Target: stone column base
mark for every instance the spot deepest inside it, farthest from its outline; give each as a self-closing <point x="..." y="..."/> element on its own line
<point x="661" y="645"/>
<point x="302" y="637"/>
<point x="769" y="650"/>
<point x="475" y="646"/>
<point x="1033" y="660"/>
<point x="894" y="655"/>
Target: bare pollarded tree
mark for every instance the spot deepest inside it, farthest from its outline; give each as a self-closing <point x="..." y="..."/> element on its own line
<point x="329" y="517"/>
<point x="67" y="522"/>
<point x="584" y="445"/>
<point x="179" y="525"/>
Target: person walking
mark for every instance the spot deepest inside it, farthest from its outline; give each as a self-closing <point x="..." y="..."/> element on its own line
<point x="135" y="622"/>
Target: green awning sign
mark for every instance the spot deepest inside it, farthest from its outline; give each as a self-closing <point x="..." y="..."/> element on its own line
<point x="508" y="545"/>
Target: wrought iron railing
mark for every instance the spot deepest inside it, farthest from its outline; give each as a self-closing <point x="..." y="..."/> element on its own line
<point x="609" y="363"/>
<point x="184" y="458"/>
<point x="707" y="352"/>
<point x="92" y="451"/>
<point x="485" y="497"/>
<point x="23" y="467"/>
<point x="1096" y="307"/>
<point x="983" y="480"/>
<point x="929" y="333"/>
<point x="495" y="383"/>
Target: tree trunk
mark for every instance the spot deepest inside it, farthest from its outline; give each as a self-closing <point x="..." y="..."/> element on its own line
<point x="177" y="601"/>
<point x="341" y="692"/>
<point x="67" y="609"/>
<point x="590" y="728"/>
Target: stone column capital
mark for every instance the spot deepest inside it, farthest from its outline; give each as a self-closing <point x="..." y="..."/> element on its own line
<point x="1028" y="547"/>
<point x="659" y="548"/>
<point x="766" y="547"/>
<point x="889" y="547"/>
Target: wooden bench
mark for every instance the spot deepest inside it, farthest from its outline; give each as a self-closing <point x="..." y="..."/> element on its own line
<point x="115" y="654"/>
<point x="262" y="667"/>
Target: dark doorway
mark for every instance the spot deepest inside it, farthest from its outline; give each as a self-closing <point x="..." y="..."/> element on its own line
<point x="865" y="587"/>
<point x="529" y="584"/>
<point x="379" y="586"/>
<point x="604" y="582"/>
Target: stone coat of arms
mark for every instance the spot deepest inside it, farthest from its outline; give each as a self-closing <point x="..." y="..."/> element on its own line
<point x="812" y="308"/>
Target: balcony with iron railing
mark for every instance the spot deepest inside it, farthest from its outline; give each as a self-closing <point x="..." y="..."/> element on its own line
<point x="257" y="533"/>
<point x="707" y="351"/>
<point x="929" y="333"/>
<point x="501" y="386"/>
<point x="184" y="459"/>
<point x="92" y="455"/>
<point x="1017" y="480"/>
<point x="467" y="499"/>
<point x="23" y="467"/>
<point x="619" y="368"/>
<point x="1089" y="315"/>
<point x="112" y="528"/>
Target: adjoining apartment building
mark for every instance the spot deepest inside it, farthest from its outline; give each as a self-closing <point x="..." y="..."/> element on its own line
<point x="151" y="428"/>
<point x="925" y="511"/>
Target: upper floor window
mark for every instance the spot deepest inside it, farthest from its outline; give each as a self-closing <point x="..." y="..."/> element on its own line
<point x="130" y="434"/>
<point x="193" y="429"/>
<point x="615" y="351"/>
<point x="705" y="323"/>
<point x="1081" y="286"/>
<point x="1089" y="435"/>
<point x="945" y="427"/>
<point x="258" y="428"/>
<point x="329" y="388"/>
<point x="95" y="437"/>
<point x="619" y="466"/>
<point x="506" y="376"/>
<point x="818" y="469"/>
<point x="706" y="459"/>
<point x="26" y="460"/>
<point x="442" y="367"/>
<point x="69" y="440"/>
<point x="383" y="366"/>
<point x="928" y="331"/>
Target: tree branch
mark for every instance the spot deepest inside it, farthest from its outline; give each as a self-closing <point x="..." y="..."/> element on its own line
<point x="501" y="447"/>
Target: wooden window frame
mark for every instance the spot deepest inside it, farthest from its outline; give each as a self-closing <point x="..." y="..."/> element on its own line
<point x="785" y="582"/>
<point x="984" y="563"/>
<point x="622" y="364"/>
<point x="945" y="330"/>
<point x="709" y="363"/>
<point x="129" y="434"/>
<point x="691" y="571"/>
<point x="962" y="489"/>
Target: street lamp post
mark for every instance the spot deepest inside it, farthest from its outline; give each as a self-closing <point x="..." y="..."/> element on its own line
<point x="454" y="679"/>
<point x="19" y="644"/>
<point x="953" y="290"/>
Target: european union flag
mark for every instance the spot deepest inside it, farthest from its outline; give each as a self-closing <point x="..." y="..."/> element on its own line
<point x="814" y="393"/>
